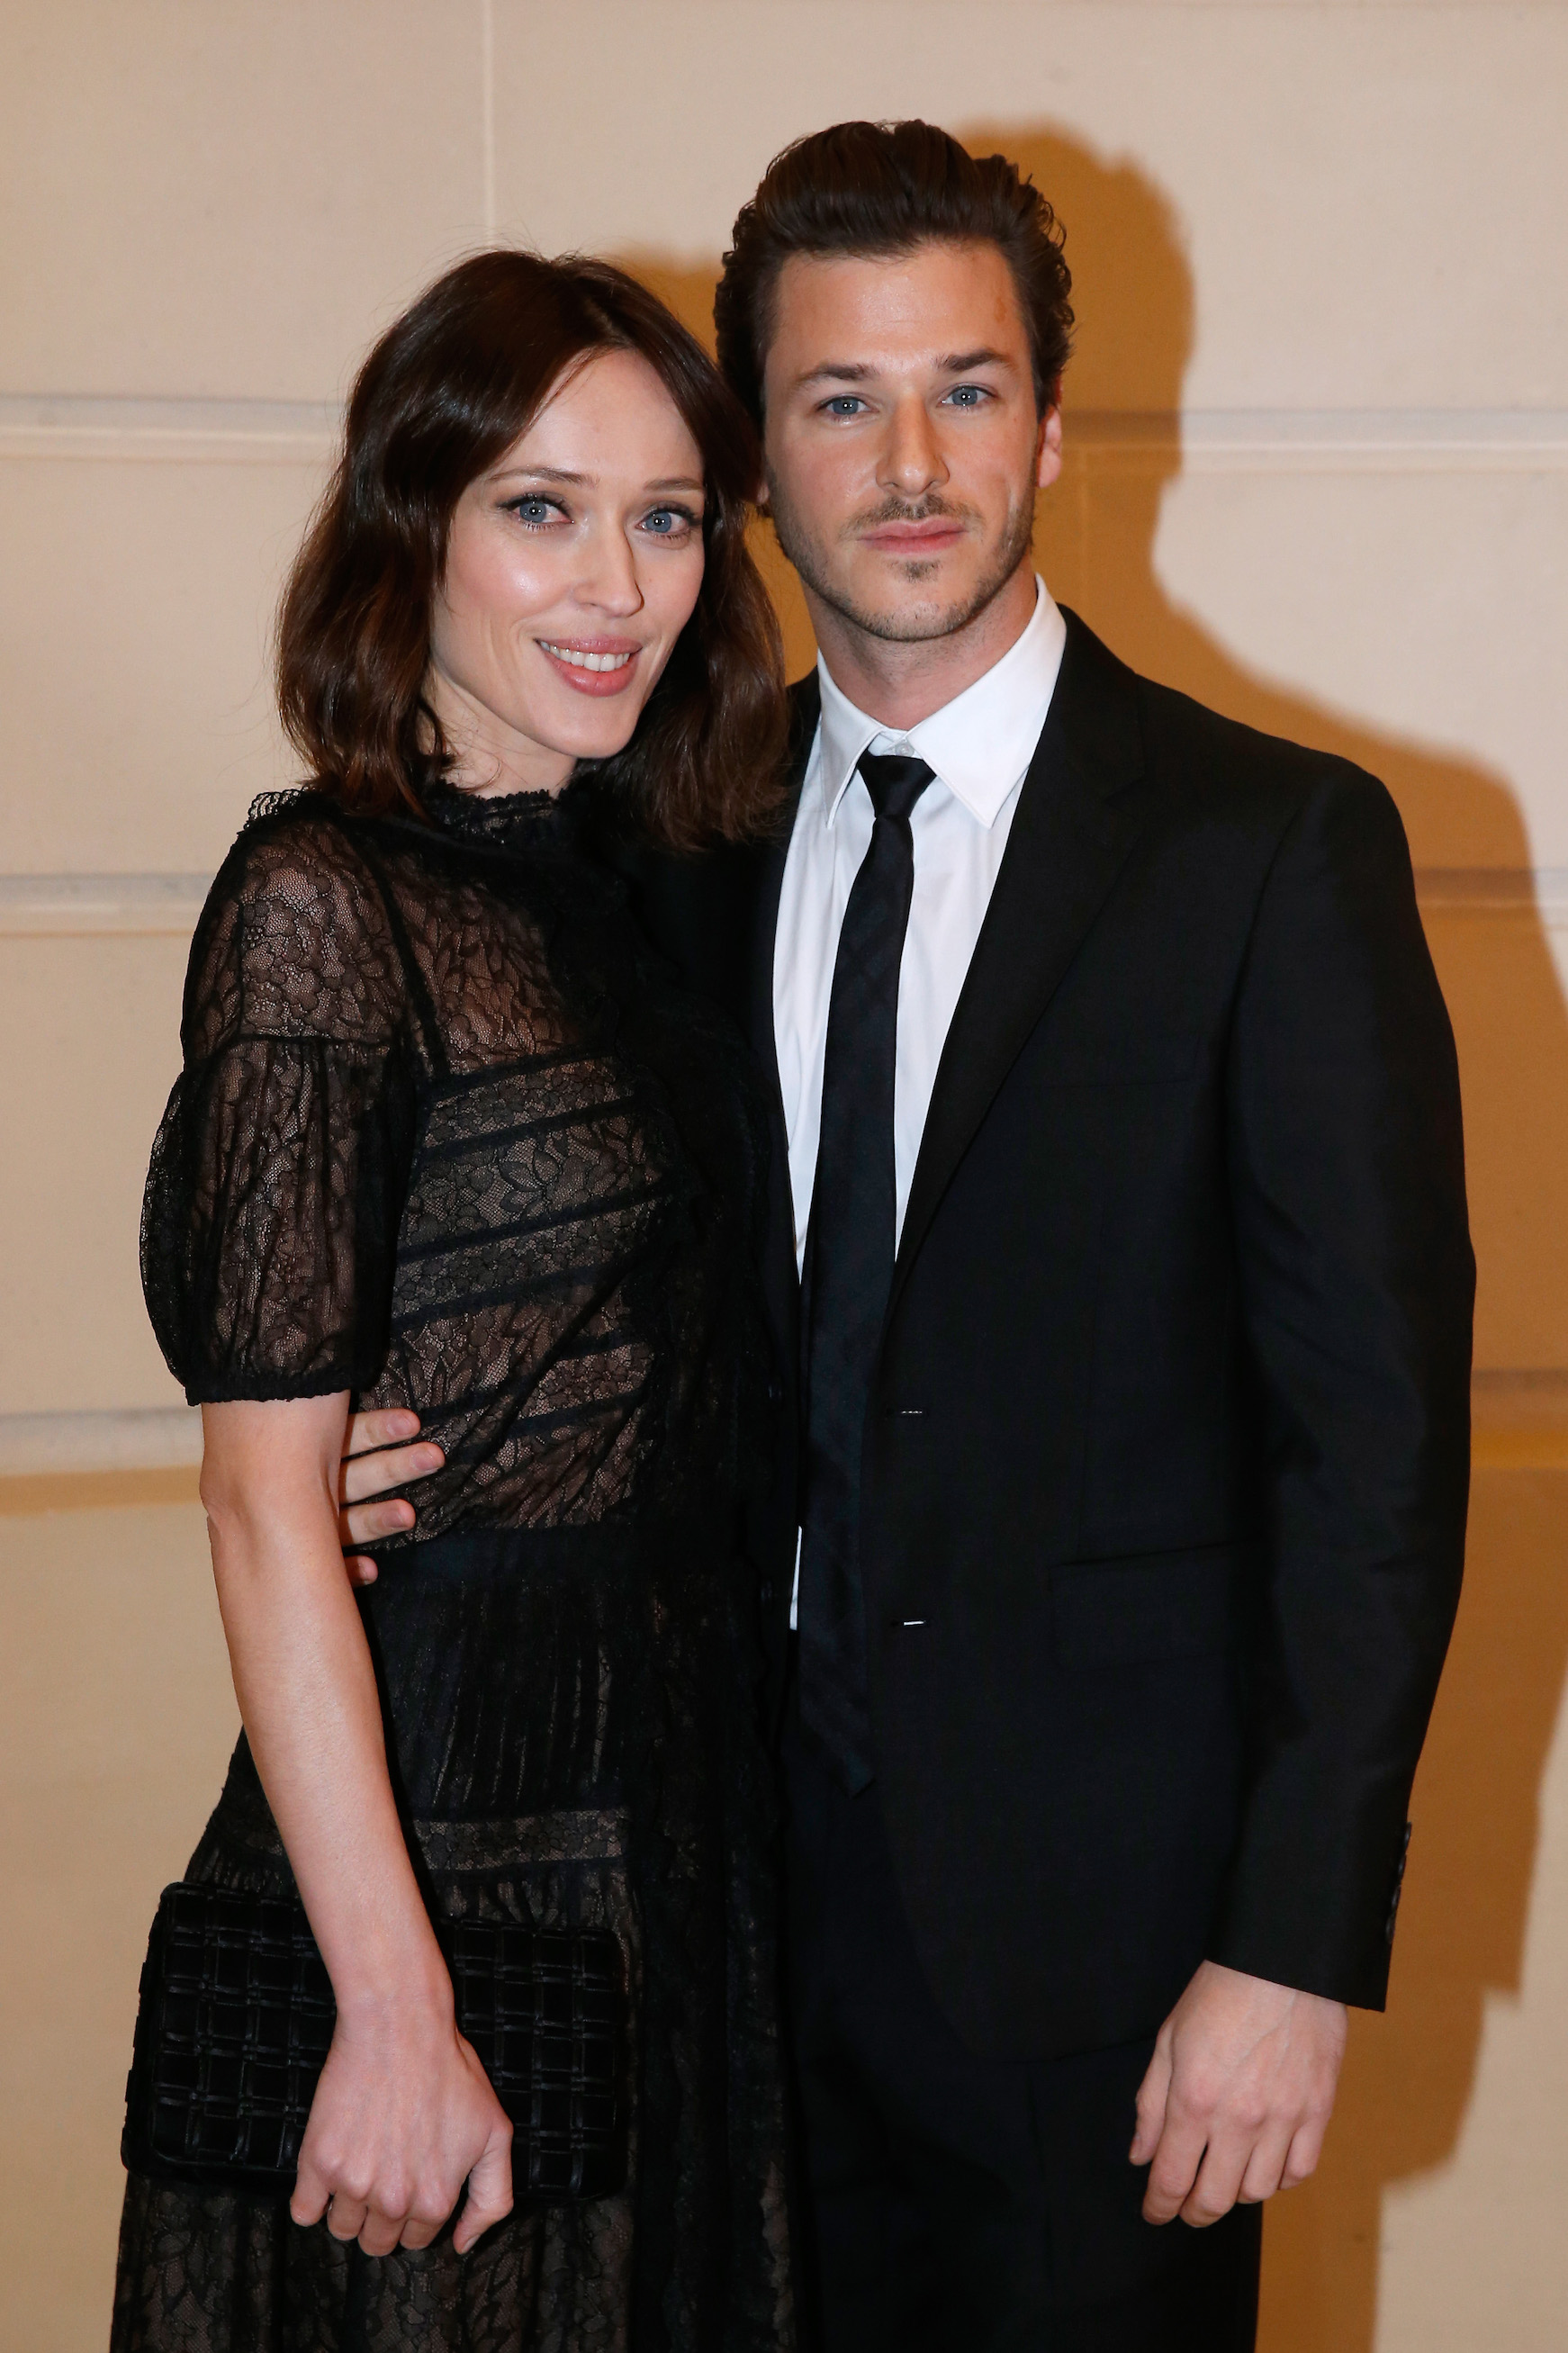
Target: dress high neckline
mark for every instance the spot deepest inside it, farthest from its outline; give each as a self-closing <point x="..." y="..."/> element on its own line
<point x="507" y="820"/>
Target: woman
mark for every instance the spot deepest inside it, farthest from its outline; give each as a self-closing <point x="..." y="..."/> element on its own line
<point x="447" y="1139"/>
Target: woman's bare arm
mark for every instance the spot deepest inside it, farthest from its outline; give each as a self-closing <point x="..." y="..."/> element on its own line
<point x="403" y="2114"/>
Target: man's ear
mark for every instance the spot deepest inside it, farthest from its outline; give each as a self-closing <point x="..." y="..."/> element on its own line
<point x="1049" y="446"/>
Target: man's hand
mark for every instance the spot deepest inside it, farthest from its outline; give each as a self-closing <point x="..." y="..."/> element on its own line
<point x="1237" y="2096"/>
<point x="377" y="1456"/>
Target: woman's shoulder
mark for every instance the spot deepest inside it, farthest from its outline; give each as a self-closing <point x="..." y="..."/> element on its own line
<point x="297" y="937"/>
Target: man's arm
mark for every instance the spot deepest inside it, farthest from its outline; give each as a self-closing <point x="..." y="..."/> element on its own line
<point x="1356" y="1283"/>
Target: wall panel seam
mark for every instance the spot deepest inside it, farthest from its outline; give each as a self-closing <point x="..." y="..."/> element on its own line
<point x="163" y="906"/>
<point x="175" y="430"/>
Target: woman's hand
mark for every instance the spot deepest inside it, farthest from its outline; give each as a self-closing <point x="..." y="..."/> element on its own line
<point x="377" y="1455"/>
<point x="403" y="2115"/>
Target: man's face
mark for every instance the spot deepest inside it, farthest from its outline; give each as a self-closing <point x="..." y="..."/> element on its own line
<point x="902" y="444"/>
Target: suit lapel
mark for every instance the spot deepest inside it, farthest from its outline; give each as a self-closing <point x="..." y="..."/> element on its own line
<point x="1077" y="814"/>
<point x="767" y="887"/>
<point x="806" y="703"/>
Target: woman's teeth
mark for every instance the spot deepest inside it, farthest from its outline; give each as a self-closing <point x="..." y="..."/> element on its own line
<point x="586" y="661"/>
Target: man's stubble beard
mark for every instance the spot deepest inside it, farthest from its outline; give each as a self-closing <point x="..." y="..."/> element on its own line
<point x="911" y="625"/>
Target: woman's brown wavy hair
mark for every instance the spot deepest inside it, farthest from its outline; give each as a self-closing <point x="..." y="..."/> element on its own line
<point x="447" y="390"/>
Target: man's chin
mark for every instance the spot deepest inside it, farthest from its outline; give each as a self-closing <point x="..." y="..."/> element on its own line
<point x="911" y="619"/>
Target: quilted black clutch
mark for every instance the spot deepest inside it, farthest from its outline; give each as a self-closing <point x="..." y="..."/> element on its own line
<point x="235" y="2020"/>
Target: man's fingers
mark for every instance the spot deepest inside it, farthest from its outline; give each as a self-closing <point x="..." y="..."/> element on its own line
<point x="388" y="1425"/>
<point x="361" y="1570"/>
<point x="1174" y="2166"/>
<point x="1218" y="2180"/>
<point x="364" y="1521"/>
<point x="1266" y="2167"/>
<point x="1301" y="2158"/>
<point x="490" y="2190"/>
<point x="373" y="1473"/>
<point x="1153" y="2093"/>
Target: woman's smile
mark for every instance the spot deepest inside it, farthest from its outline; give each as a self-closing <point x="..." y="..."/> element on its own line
<point x="592" y="665"/>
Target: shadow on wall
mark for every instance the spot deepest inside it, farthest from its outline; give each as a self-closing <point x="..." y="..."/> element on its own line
<point x="1409" y="2076"/>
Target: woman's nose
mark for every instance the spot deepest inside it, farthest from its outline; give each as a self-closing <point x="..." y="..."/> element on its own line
<point x="609" y="580"/>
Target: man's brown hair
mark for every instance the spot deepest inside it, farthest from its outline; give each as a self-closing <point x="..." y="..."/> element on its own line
<point x="867" y="189"/>
<point x="449" y="387"/>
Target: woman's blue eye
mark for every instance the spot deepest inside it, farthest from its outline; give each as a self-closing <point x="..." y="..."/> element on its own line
<point x="532" y="509"/>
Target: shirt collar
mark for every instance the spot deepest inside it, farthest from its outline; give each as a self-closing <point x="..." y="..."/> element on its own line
<point x="979" y="745"/>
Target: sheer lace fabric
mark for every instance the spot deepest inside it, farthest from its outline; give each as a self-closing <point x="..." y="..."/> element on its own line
<point x="445" y="1137"/>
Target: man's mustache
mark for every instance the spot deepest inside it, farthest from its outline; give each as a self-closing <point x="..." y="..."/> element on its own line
<point x="903" y="511"/>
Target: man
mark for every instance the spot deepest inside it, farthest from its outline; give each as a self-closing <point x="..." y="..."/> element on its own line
<point x="1121" y="1248"/>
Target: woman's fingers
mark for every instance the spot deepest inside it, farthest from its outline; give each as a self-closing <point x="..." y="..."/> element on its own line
<point x="489" y="2189"/>
<point x="313" y="2192"/>
<point x="345" y="2216"/>
<point x="380" y="2232"/>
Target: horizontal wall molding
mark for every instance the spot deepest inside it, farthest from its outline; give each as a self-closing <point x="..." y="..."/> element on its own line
<point x="80" y="906"/>
<point x="169" y="1438"/>
<point x="174" y="432"/>
<point x="1199" y="440"/>
<point x="76" y="906"/>
<point x="76" y="1445"/>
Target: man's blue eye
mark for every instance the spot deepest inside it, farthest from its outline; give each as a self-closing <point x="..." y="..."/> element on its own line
<point x="842" y="404"/>
<point x="967" y="395"/>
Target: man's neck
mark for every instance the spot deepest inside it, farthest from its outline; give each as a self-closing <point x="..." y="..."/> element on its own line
<point x="899" y="682"/>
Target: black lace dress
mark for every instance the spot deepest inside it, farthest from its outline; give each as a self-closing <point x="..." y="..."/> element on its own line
<point x="447" y="1137"/>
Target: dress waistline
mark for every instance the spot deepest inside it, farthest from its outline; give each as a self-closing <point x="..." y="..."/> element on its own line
<point x="477" y="1555"/>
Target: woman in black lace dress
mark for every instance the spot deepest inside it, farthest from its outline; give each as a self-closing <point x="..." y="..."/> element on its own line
<point x="447" y="1138"/>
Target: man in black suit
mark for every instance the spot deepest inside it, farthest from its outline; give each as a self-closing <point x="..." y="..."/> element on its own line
<point x="1122" y="1274"/>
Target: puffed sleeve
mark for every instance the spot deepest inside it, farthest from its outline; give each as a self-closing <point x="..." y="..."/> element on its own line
<point x="269" y="1223"/>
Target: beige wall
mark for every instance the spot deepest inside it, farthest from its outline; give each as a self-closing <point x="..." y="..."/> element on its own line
<point x="1317" y="474"/>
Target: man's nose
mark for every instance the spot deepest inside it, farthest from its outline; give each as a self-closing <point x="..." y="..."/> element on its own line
<point x="912" y="462"/>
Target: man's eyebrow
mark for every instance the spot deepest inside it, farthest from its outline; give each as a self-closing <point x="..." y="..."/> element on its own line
<point x="836" y="372"/>
<point x="960" y="362"/>
<point x="861" y="370"/>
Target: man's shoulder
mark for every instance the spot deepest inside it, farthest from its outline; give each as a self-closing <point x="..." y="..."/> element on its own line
<point x="1199" y="757"/>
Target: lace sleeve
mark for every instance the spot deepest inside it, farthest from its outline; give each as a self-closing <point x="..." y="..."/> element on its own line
<point x="269" y="1223"/>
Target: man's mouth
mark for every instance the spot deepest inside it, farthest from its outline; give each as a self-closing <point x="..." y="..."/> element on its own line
<point x="914" y="536"/>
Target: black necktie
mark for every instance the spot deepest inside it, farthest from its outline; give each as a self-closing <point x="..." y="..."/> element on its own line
<point x="850" y="1267"/>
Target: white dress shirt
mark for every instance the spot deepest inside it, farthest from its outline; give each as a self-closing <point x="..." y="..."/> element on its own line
<point x="979" y="747"/>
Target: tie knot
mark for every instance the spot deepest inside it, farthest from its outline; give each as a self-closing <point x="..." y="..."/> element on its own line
<point x="895" y="781"/>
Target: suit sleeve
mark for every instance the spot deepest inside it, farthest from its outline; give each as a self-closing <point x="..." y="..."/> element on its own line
<point x="1357" y="1285"/>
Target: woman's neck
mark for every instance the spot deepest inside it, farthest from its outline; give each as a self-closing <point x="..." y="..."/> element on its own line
<point x="488" y="757"/>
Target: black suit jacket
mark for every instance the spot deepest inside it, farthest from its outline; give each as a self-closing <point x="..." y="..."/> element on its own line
<point x="1166" y="1456"/>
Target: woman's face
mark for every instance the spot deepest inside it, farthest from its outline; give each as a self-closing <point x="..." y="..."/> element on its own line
<point x="572" y="568"/>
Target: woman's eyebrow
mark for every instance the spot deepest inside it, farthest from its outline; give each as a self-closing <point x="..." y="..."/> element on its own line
<point x="539" y="474"/>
